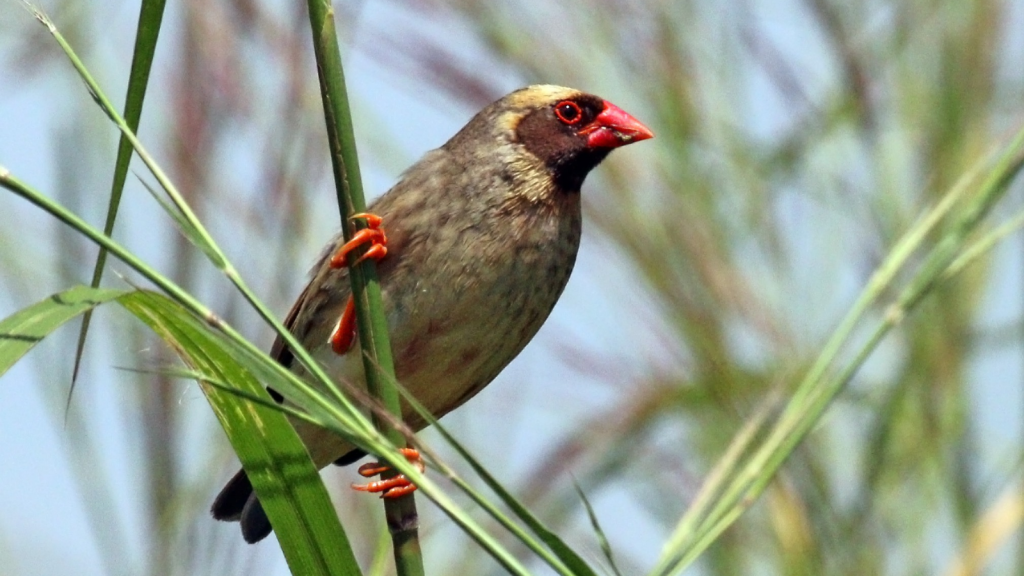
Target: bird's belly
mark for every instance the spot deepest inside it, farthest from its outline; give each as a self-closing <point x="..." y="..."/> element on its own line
<point x="456" y="356"/>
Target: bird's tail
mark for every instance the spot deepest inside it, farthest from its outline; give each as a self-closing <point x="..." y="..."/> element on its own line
<point x="237" y="502"/>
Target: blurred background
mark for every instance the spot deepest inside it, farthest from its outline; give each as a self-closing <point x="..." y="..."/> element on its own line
<point x="796" y="141"/>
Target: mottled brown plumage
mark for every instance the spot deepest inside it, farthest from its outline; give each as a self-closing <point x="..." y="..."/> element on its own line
<point x="482" y="236"/>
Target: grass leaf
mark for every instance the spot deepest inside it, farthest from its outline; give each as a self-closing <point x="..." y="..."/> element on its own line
<point x="24" y="329"/>
<point x="284" y="477"/>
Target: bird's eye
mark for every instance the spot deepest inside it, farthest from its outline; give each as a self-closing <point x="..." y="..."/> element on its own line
<point x="568" y="112"/>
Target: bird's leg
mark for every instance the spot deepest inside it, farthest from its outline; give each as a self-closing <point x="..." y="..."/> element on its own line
<point x="345" y="332"/>
<point x="394" y="487"/>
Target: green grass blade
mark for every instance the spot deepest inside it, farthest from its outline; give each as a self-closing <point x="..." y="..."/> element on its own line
<point x="983" y="245"/>
<point x="24" y="329"/>
<point x="602" y="540"/>
<point x="278" y="465"/>
<point x="184" y="225"/>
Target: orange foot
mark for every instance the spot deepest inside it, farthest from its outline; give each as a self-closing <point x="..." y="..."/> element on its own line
<point x="394" y="487"/>
<point x="345" y="332"/>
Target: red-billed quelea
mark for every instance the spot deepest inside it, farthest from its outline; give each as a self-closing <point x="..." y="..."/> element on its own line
<point x="482" y="235"/>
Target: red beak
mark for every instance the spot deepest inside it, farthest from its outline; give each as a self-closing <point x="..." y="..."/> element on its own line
<point x="613" y="127"/>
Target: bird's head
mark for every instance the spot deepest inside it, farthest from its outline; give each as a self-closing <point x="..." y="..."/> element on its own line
<point x="567" y="131"/>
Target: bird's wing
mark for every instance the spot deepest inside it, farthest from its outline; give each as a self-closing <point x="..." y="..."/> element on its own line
<point x="323" y="298"/>
<point x="279" y="350"/>
<point x="325" y="294"/>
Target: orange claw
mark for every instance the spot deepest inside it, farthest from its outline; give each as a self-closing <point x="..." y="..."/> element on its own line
<point x="345" y="333"/>
<point x="394" y="487"/>
<point x="373" y="235"/>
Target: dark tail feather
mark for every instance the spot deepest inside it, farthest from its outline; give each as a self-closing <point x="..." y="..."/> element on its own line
<point x="349" y="458"/>
<point x="237" y="502"/>
<point x="232" y="498"/>
<point x="255" y="524"/>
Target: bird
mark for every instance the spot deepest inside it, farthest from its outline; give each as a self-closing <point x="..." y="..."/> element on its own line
<point x="474" y="245"/>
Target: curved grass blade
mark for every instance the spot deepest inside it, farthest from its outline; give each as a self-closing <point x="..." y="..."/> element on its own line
<point x="243" y="352"/>
<point x="602" y="540"/>
<point x="277" y="463"/>
<point x="280" y="469"/>
<point x="27" y="327"/>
